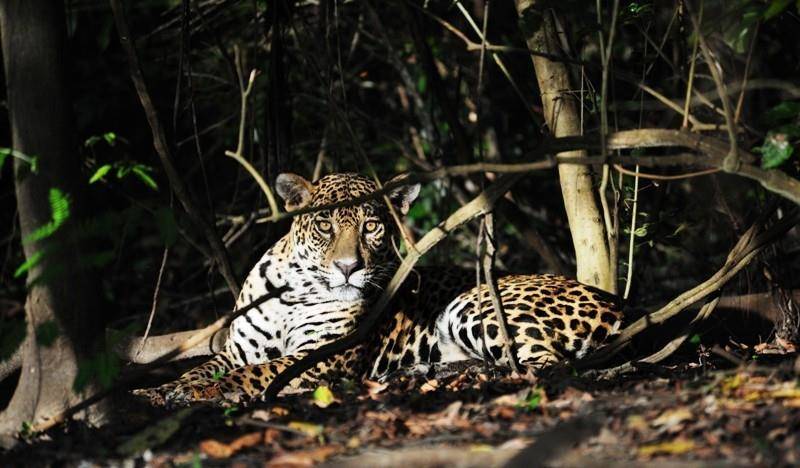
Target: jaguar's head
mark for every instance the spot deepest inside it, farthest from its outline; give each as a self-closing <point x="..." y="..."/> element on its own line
<point x="344" y="251"/>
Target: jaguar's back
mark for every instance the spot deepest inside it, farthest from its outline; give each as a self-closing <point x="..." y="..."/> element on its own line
<point x="333" y="262"/>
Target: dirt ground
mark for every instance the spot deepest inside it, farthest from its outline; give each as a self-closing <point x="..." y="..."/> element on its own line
<point x="705" y="411"/>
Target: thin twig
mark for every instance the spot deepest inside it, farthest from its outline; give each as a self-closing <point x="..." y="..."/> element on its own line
<point x="487" y="233"/>
<point x="498" y="60"/>
<point x="732" y="161"/>
<point x="746" y="76"/>
<point x="245" y="91"/>
<point x="632" y="236"/>
<point x="497" y="303"/>
<point x="155" y="300"/>
<point x="645" y="175"/>
<point x="606" y="54"/>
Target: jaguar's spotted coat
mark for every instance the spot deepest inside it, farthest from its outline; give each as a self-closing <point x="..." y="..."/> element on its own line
<point x="332" y="263"/>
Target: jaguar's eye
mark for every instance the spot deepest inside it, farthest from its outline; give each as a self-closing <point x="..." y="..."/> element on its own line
<point x="324" y="226"/>
<point x="370" y="226"/>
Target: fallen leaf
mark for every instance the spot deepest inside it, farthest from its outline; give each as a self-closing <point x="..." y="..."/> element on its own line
<point x="507" y="400"/>
<point x="309" y="429"/>
<point x="505" y="412"/>
<point x="481" y="448"/>
<point x="375" y="388"/>
<point x="353" y="442"/>
<point x="304" y="457"/>
<point x="673" y="447"/>
<point x="216" y="449"/>
<point x="323" y="397"/>
<point x="636" y="422"/>
<point x="671" y="418"/>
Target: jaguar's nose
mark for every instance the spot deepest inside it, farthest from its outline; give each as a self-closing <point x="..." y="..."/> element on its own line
<point x="348" y="266"/>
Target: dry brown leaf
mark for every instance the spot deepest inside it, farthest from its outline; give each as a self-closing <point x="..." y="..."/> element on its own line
<point x="375" y="388"/>
<point x="304" y="457"/>
<point x="216" y="449"/>
<point x="507" y="400"/>
<point x="672" y="447"/>
<point x="671" y="418"/>
<point x="504" y="412"/>
<point x="309" y="429"/>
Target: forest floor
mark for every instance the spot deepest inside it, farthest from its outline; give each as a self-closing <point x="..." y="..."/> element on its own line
<point x="704" y="411"/>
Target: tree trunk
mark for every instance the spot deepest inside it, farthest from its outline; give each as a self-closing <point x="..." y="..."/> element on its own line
<point x="64" y="298"/>
<point x="563" y="119"/>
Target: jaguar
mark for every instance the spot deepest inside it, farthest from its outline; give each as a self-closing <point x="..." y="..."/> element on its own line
<point x="321" y="277"/>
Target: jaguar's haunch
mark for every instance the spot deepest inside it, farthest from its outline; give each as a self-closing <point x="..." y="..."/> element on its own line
<point x="332" y="263"/>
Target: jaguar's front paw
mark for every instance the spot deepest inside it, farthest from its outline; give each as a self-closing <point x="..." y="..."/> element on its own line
<point x="156" y="396"/>
<point x="185" y="393"/>
<point x="176" y="394"/>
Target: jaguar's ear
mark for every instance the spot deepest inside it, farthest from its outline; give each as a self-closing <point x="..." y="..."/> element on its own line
<point x="402" y="197"/>
<point x="294" y="189"/>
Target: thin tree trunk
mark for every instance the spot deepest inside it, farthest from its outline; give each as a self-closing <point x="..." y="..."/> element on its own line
<point x="65" y="297"/>
<point x="563" y="119"/>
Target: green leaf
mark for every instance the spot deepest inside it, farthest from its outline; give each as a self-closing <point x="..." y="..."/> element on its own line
<point x="218" y="374"/>
<point x="775" y="150"/>
<point x="59" y="207"/>
<point x="110" y="138"/>
<point x="141" y="172"/>
<point x="59" y="204"/>
<point x="31" y="160"/>
<point x="534" y="398"/>
<point x="100" y="173"/>
<point x="323" y="397"/>
<point x="122" y="171"/>
<point x="695" y="339"/>
<point x="775" y="8"/>
<point x="783" y="112"/>
<point x="422" y="84"/>
<point x="28" y="264"/>
<point x="46" y="333"/>
<point x="91" y="141"/>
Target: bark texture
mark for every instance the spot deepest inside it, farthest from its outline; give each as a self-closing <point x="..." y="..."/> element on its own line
<point x="563" y="119"/>
<point x="33" y="38"/>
